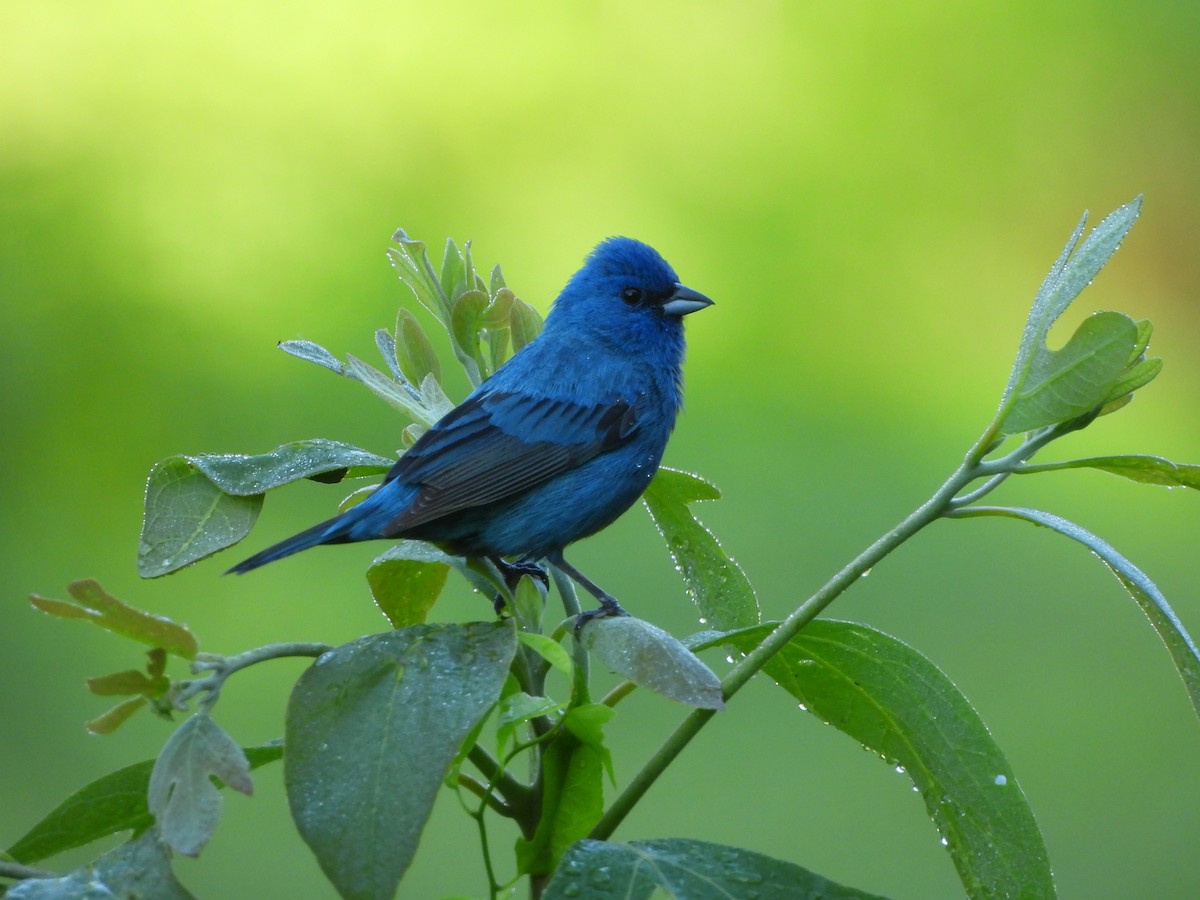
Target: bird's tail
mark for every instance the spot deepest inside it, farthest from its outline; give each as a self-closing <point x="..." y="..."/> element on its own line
<point x="333" y="531"/>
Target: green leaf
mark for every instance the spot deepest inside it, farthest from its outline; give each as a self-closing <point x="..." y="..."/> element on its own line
<point x="696" y="870"/>
<point x="529" y="606"/>
<point x="587" y="723"/>
<point x="197" y="505"/>
<point x="652" y="659"/>
<point x="454" y="274"/>
<point x="1144" y="469"/>
<point x="399" y="395"/>
<point x="496" y="281"/>
<point x="372" y="728"/>
<point x="1060" y="385"/>
<point x="548" y="649"/>
<point x="386" y="344"/>
<point x="1136" y="377"/>
<point x="110" y="721"/>
<point x="407" y="580"/>
<point x="113" y="803"/>
<point x="100" y="608"/>
<point x="515" y="710"/>
<point x="716" y="584"/>
<point x="181" y="795"/>
<point x="498" y="311"/>
<point x="138" y="869"/>
<point x="572" y="803"/>
<point x="245" y="476"/>
<point x="1145" y="592"/>
<point x="414" y="350"/>
<point x="1069" y="275"/>
<point x="187" y="518"/>
<point x="411" y="262"/>
<point x="524" y="323"/>
<point x="435" y="398"/>
<point x="126" y="684"/>
<point x="464" y="328"/>
<point x="494" y="329"/>
<point x="314" y="353"/>
<point x="895" y="702"/>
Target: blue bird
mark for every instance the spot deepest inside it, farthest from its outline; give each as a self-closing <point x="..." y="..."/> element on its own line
<point x="560" y="441"/>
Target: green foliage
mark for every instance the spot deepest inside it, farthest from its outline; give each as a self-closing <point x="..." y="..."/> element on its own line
<point x="113" y="803"/>
<point x="651" y="658"/>
<point x="695" y="869"/>
<point x="372" y="729"/>
<point x="198" y="505"/>
<point x="140" y="868"/>
<point x="716" y="584"/>
<point x="97" y="606"/>
<point x="377" y="728"/>
<point x="182" y="798"/>
<point x="895" y="702"/>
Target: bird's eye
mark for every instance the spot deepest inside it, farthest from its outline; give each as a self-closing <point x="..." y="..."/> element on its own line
<point x="632" y="296"/>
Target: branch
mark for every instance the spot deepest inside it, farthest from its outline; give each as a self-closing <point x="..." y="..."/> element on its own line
<point x="222" y="667"/>
<point x="935" y="507"/>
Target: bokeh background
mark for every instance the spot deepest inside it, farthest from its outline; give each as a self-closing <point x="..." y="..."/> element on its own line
<point x="871" y="192"/>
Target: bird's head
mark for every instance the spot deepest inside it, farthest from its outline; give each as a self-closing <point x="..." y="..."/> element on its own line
<point x="627" y="290"/>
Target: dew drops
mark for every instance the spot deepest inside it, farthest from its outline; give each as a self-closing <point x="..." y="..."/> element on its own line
<point x="1001" y="780"/>
<point x="945" y="842"/>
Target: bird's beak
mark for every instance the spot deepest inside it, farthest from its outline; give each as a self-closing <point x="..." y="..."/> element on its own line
<point x="684" y="300"/>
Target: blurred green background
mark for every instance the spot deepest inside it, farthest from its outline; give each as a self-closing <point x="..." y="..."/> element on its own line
<point x="871" y="192"/>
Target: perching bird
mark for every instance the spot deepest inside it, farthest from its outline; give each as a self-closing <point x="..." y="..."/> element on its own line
<point x="560" y="441"/>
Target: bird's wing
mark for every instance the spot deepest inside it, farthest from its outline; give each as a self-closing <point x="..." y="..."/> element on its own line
<point x="497" y="444"/>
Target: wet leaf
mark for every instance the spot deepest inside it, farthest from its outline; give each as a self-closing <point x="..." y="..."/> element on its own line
<point x="1184" y="653"/>
<point x="676" y="867"/>
<point x="138" y="869"/>
<point x="894" y="701"/>
<point x="652" y="659"/>
<point x="372" y="729"/>
<point x="714" y="581"/>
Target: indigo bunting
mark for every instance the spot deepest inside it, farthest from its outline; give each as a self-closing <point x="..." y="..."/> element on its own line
<point x="560" y="441"/>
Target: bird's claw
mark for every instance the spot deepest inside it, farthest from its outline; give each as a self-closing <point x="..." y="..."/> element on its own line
<point x="608" y="607"/>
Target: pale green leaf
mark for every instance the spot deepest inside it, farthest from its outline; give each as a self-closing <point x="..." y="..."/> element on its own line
<point x="138" y="869"/>
<point x="652" y="659"/>
<point x="181" y="795"/>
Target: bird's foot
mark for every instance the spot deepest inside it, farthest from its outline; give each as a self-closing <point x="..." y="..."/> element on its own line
<point x="608" y="607"/>
<point x="512" y="573"/>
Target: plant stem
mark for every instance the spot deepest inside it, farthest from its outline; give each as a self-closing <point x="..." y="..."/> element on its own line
<point x="17" y="871"/>
<point x="937" y="505"/>
<point x="222" y="667"/>
<point x="516" y="794"/>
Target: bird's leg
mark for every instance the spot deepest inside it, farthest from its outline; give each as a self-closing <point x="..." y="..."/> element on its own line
<point x="512" y="573"/>
<point x="608" y="603"/>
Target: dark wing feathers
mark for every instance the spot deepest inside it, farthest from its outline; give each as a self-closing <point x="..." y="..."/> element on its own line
<point x="495" y="445"/>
